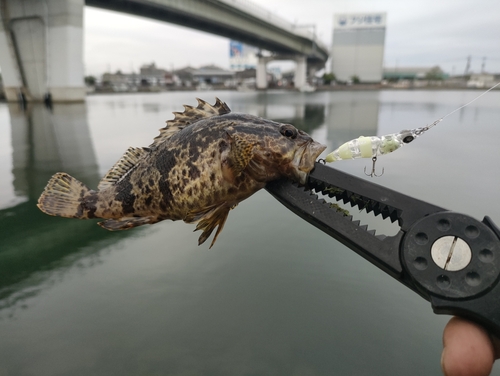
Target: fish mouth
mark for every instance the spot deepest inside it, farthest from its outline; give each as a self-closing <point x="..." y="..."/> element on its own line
<point x="304" y="159"/>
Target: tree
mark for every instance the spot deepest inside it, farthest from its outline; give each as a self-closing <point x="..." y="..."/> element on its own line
<point x="90" y="80"/>
<point x="355" y="79"/>
<point x="328" y="78"/>
<point x="434" y="74"/>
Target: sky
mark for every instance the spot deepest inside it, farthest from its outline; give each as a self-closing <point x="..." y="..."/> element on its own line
<point x="418" y="33"/>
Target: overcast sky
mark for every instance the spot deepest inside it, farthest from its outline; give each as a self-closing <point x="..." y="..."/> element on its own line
<point x="419" y="33"/>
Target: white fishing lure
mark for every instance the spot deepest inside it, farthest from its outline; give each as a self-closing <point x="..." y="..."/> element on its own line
<point x="369" y="147"/>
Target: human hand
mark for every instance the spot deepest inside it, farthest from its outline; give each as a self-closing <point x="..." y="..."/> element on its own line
<point x="468" y="349"/>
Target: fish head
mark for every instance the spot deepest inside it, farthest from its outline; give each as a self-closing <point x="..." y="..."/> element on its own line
<point x="294" y="152"/>
<point x="280" y="150"/>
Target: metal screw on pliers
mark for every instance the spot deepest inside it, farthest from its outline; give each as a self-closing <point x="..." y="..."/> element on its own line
<point x="451" y="253"/>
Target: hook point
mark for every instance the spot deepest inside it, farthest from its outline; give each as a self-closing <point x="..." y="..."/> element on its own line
<point x="372" y="173"/>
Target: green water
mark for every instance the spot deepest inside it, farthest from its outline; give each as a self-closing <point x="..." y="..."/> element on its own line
<point x="274" y="296"/>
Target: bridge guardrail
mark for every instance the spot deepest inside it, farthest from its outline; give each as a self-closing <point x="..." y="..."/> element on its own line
<point x="262" y="13"/>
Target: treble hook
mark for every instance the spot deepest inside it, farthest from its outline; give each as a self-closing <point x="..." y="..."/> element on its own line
<point x="372" y="174"/>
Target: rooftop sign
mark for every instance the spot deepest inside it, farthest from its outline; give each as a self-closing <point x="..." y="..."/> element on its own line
<point x="359" y="20"/>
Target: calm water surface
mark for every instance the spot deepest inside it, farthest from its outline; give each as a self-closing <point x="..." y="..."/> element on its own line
<point x="275" y="296"/>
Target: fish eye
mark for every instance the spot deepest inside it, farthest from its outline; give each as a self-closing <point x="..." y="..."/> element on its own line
<point x="288" y="131"/>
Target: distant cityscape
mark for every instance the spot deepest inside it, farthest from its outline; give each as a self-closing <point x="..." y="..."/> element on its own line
<point x="352" y="63"/>
<point x="353" y="66"/>
<point x="151" y="78"/>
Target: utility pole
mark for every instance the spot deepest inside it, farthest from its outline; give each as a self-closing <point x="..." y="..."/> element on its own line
<point x="467" y="66"/>
<point x="483" y="64"/>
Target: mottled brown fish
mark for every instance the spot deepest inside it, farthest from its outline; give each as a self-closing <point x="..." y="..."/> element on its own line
<point x="203" y="163"/>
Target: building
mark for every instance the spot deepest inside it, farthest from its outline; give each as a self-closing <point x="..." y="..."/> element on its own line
<point x="118" y="81"/>
<point x="358" y="46"/>
<point x="185" y="76"/>
<point x="482" y="80"/>
<point x="414" y="73"/>
<point x="212" y="74"/>
<point x="152" y="75"/>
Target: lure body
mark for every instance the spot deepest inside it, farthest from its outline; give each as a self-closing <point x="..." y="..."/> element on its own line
<point x="370" y="147"/>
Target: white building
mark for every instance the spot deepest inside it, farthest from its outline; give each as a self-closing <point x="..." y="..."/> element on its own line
<point x="358" y="46"/>
<point x="482" y="80"/>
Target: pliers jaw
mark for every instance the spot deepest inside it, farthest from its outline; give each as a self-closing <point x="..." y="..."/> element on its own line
<point x="381" y="250"/>
<point x="408" y="256"/>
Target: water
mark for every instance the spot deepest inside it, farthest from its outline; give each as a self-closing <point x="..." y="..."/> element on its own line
<point x="275" y="296"/>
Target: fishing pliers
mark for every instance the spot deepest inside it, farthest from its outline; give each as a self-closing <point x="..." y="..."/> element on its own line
<point x="450" y="259"/>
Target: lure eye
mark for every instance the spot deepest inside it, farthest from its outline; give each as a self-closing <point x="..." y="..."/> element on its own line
<point x="407" y="136"/>
<point x="408" y="139"/>
<point x="288" y="131"/>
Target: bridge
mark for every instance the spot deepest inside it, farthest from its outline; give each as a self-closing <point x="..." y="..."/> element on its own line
<point x="41" y="41"/>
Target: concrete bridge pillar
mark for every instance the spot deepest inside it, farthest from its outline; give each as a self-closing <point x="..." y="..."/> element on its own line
<point x="261" y="72"/>
<point x="300" y="79"/>
<point x="42" y="49"/>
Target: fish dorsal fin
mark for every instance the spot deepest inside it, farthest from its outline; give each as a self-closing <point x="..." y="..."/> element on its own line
<point x="189" y="116"/>
<point x="237" y="157"/>
<point x="126" y="163"/>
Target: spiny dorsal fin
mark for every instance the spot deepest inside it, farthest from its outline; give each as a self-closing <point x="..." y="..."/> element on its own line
<point x="189" y="116"/>
<point x="122" y="167"/>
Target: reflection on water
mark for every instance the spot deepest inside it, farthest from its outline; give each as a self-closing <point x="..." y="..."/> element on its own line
<point x="275" y="296"/>
<point x="43" y="141"/>
<point x="351" y="115"/>
<point x="48" y="140"/>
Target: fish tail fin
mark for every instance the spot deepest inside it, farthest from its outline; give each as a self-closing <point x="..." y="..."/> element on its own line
<point x="62" y="197"/>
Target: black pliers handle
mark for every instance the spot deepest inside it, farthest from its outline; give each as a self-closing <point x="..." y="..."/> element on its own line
<point x="450" y="259"/>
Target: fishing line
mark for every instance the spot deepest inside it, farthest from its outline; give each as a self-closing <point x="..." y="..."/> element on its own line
<point x="419" y="131"/>
<point x="372" y="147"/>
<point x="479" y="96"/>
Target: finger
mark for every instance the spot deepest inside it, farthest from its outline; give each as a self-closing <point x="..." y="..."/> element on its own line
<point x="496" y="346"/>
<point x="468" y="349"/>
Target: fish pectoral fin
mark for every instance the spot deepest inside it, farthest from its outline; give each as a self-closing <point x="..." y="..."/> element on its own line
<point x="257" y="171"/>
<point x="126" y="222"/>
<point x="215" y="217"/>
<point x="127" y="162"/>
<point x="238" y="156"/>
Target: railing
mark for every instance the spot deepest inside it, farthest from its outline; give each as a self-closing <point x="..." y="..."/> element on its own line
<point x="266" y="15"/>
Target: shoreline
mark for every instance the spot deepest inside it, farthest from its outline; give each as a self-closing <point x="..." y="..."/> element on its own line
<point x="323" y="88"/>
<point x="359" y="87"/>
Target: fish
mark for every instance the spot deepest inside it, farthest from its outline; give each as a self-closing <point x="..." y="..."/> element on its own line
<point x="201" y="165"/>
